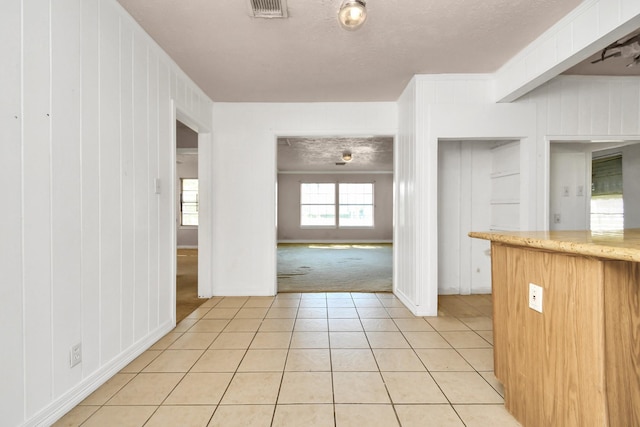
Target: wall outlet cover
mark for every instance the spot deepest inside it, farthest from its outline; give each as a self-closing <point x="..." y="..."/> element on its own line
<point x="535" y="297"/>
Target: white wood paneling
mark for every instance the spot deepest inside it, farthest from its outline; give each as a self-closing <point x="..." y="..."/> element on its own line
<point x="36" y="181"/>
<point x="87" y="245"/>
<point x="12" y="398"/>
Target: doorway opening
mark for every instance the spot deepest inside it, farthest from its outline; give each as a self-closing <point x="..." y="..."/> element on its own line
<point x="187" y="220"/>
<point x="335" y="214"/>
<point x="594" y="185"/>
<point x="479" y="188"/>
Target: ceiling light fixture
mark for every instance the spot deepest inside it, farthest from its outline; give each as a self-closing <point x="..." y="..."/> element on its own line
<point x="347" y="156"/>
<point x="352" y="14"/>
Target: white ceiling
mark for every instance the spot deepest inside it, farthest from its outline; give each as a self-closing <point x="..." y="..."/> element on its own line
<point x="307" y="57"/>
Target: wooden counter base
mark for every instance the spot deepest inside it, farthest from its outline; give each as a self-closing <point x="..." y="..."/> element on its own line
<point x="578" y="362"/>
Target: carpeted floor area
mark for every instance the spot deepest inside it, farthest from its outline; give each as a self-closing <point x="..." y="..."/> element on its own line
<point x="187" y="283"/>
<point x="335" y="267"/>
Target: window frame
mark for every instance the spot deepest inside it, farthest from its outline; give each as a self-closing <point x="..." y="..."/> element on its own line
<point x="336" y="205"/>
<point x="372" y="204"/>
<point x="301" y="205"/>
<point x="181" y="203"/>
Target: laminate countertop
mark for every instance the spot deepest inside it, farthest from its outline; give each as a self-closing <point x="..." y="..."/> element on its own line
<point x="623" y="245"/>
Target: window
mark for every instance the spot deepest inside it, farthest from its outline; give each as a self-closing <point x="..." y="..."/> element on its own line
<point x="607" y="207"/>
<point x="317" y="204"/>
<point x="356" y="205"/>
<point x="189" y="201"/>
<point x="318" y="207"/>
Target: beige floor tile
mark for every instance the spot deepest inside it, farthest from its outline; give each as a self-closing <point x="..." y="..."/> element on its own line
<point x="348" y="340"/>
<point x="466" y="387"/>
<point x="219" y="361"/>
<point x="209" y="325"/>
<point x="345" y="325"/>
<point x="303" y="415"/>
<point x="108" y="389"/>
<point x="365" y="295"/>
<point x="201" y="388"/>
<point x="416" y="324"/>
<point x="259" y="302"/>
<point x="286" y="303"/>
<point x="365" y="415"/>
<point x="478" y="323"/>
<point x="233" y="302"/>
<point x="465" y="339"/>
<point x="243" y="325"/>
<point x="263" y="361"/>
<point x="367" y="303"/>
<point x="76" y="416"/>
<point x="438" y="415"/>
<point x="183" y="416"/>
<point x="342" y="313"/>
<point x="487" y="335"/>
<point x="257" y="388"/>
<point x="184" y="325"/>
<point x="308" y="360"/>
<point x="312" y="313"/>
<point x="426" y="340"/>
<point x="480" y="358"/>
<point x="306" y="387"/>
<point x="146" y="389"/>
<point x="221" y="313"/>
<point x="277" y="325"/>
<point x="443" y="323"/>
<point x="373" y="313"/>
<point x="340" y="303"/>
<point x="252" y="313"/>
<point x="310" y="340"/>
<point x="166" y="341"/>
<point x="413" y="387"/>
<point x="233" y="340"/>
<point x="387" y="340"/>
<point x="391" y="303"/>
<point x="484" y="415"/>
<point x="494" y="382"/>
<point x="191" y="341"/>
<point x="350" y="360"/>
<point x="174" y="361"/>
<point x="400" y="313"/>
<point x="313" y="303"/>
<point x="379" y="325"/>
<point x="282" y="313"/>
<point x="359" y="387"/>
<point x="311" y="325"/>
<point x="121" y="416"/>
<point x="271" y="340"/>
<point x="211" y="302"/>
<point x="242" y="416"/>
<point x="338" y="295"/>
<point x="398" y="360"/>
<point x="442" y="359"/>
<point x="198" y="313"/>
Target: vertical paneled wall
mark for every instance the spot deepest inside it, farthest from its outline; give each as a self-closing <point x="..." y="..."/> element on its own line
<point x="86" y="248"/>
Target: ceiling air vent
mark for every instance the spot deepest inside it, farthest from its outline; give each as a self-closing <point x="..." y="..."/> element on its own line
<point x="268" y="8"/>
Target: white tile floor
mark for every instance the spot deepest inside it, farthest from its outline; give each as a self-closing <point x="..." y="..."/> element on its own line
<point x="321" y="359"/>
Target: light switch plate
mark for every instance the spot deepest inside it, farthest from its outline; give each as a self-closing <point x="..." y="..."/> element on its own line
<point x="535" y="297"/>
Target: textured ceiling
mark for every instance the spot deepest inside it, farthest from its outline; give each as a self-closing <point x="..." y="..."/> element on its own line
<point x="370" y="154"/>
<point x="309" y="58"/>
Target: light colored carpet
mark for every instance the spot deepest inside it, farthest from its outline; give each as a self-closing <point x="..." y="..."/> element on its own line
<point x="335" y="267"/>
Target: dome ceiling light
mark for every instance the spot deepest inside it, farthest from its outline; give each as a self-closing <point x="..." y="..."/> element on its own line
<point x="352" y="14"/>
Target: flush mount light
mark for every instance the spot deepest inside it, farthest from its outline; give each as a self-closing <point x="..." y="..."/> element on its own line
<point x="347" y="156"/>
<point x="352" y="14"/>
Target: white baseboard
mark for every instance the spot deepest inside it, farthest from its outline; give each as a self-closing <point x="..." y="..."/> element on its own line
<point x="59" y="407"/>
<point x="325" y="242"/>
<point x="187" y="246"/>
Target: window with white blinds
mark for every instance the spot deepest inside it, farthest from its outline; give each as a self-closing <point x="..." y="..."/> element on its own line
<point x="607" y="203"/>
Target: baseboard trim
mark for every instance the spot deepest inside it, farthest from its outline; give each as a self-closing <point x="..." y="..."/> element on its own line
<point x="60" y="406"/>
<point x="325" y="242"/>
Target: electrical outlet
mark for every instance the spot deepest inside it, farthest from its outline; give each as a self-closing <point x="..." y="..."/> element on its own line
<point x="556" y="218"/>
<point x="75" y="355"/>
<point x="565" y="191"/>
<point x="580" y="191"/>
<point x="535" y="297"/>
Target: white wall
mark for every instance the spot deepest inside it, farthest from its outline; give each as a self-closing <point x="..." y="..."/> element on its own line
<point x="568" y="175"/>
<point x="86" y="248"/>
<point x="244" y="214"/>
<point x="289" y="229"/>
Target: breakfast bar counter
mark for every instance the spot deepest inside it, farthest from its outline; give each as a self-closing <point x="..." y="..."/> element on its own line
<point x="576" y="360"/>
